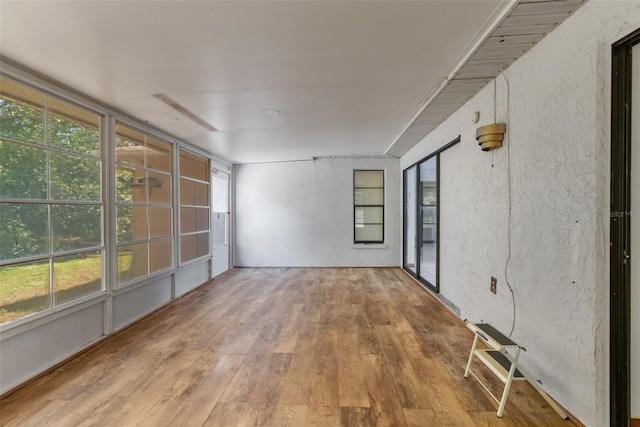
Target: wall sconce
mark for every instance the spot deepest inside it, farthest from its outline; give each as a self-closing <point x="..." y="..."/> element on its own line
<point x="490" y="136"/>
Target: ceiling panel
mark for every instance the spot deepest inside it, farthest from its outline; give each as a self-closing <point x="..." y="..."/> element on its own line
<point x="529" y="39"/>
<point x="345" y="77"/>
<point x="526" y="24"/>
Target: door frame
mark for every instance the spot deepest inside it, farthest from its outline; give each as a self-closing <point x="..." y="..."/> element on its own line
<point x="620" y="222"/>
<point x="435" y="288"/>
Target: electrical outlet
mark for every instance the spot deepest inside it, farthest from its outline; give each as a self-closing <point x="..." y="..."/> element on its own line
<point x="494" y="285"/>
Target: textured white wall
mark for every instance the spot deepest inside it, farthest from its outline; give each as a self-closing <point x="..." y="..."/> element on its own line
<point x="300" y="214"/>
<point x="555" y="102"/>
<point x="454" y="210"/>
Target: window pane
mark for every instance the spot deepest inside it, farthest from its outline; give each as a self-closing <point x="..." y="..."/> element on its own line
<point x="75" y="276"/>
<point x="159" y="222"/>
<point x="368" y="196"/>
<point x="202" y="219"/>
<point x="158" y="155"/>
<point x="202" y="243"/>
<point x="160" y="256"/>
<point x="369" y="233"/>
<point x="194" y="219"/>
<point x="124" y="224"/>
<point x="76" y="227"/>
<point x="124" y="185"/>
<point x="194" y="193"/>
<point x="368" y="179"/>
<point x="21" y="112"/>
<point x="142" y="188"/>
<point x="219" y="190"/>
<point x="201" y="194"/>
<point x="187" y="192"/>
<point x="129" y="146"/>
<point x="194" y="246"/>
<point x="23" y="230"/>
<point x="24" y="289"/>
<point x="132" y="262"/>
<point x="159" y="188"/>
<point x="23" y="171"/>
<point x="131" y="223"/>
<point x="74" y="129"/>
<point x="188" y="248"/>
<point x="187" y="220"/>
<point x="429" y="193"/>
<point x="74" y="178"/>
<point x="428" y="220"/>
<point x="194" y="166"/>
<point x="369" y="214"/>
<point x="201" y="168"/>
<point x="137" y="186"/>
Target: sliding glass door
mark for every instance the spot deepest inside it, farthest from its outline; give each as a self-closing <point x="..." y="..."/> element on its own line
<point x="428" y="223"/>
<point x="421" y="253"/>
<point x="410" y="214"/>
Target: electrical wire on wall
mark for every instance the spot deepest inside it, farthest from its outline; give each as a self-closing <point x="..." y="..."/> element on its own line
<point x="506" y="265"/>
<point x="495" y="120"/>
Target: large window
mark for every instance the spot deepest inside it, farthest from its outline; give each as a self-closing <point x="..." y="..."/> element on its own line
<point x="368" y="206"/>
<point x="194" y="206"/>
<point x="143" y="205"/>
<point x="51" y="205"/>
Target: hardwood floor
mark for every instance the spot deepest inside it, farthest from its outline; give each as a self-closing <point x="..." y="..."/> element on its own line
<point x="281" y="347"/>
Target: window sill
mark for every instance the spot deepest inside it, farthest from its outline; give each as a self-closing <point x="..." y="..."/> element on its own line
<point x="369" y="246"/>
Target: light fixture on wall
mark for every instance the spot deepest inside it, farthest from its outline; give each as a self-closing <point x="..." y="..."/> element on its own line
<point x="490" y="136"/>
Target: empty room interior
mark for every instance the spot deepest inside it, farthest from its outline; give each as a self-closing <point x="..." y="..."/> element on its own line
<point x="319" y="213"/>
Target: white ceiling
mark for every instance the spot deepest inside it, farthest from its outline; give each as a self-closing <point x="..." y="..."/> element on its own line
<point x="347" y="76"/>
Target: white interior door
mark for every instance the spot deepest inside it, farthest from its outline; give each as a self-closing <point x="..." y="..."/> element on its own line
<point x="220" y="221"/>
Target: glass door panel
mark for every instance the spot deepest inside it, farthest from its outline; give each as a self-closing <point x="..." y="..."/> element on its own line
<point x="428" y="222"/>
<point x="410" y="212"/>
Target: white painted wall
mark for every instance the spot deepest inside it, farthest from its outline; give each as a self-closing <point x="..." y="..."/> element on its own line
<point x="453" y="211"/>
<point x="300" y="214"/>
<point x="556" y="108"/>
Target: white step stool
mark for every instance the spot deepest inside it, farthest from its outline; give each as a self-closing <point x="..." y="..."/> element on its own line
<point x="502" y="363"/>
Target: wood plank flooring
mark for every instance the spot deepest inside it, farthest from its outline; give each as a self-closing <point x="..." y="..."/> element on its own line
<point x="281" y="347"/>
